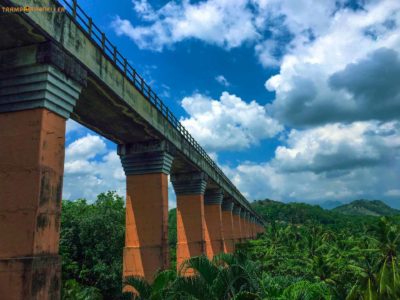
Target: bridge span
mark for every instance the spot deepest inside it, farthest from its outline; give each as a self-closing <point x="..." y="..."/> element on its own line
<point x="56" y="65"/>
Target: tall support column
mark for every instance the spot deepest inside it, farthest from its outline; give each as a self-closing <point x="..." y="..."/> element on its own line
<point x="261" y="228"/>
<point x="35" y="101"/>
<point x="237" y="224"/>
<point x="227" y="225"/>
<point x="248" y="225"/>
<point x="253" y="227"/>
<point x="214" y="235"/>
<point x="147" y="166"/>
<point x="243" y="225"/>
<point x="189" y="190"/>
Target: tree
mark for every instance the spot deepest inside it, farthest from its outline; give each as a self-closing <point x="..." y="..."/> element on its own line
<point x="91" y="243"/>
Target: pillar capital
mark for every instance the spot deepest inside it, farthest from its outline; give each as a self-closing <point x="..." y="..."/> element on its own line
<point x="227" y="204"/>
<point x="40" y="76"/>
<point x="248" y="216"/>
<point x="213" y="196"/>
<point x="50" y="53"/>
<point x="192" y="183"/>
<point x="146" y="157"/>
<point x="236" y="209"/>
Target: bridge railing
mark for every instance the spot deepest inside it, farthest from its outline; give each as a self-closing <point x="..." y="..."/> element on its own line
<point x="99" y="38"/>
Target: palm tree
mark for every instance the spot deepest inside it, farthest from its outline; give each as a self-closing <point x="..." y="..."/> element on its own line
<point x="225" y="277"/>
<point x="380" y="278"/>
<point x="305" y="290"/>
<point x="160" y="289"/>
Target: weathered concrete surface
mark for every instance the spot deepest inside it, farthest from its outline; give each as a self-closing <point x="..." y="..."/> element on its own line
<point x="126" y="116"/>
<point x="33" y="278"/>
<point x="31" y="170"/>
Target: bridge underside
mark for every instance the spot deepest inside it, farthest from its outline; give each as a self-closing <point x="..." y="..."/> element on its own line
<point x="51" y="71"/>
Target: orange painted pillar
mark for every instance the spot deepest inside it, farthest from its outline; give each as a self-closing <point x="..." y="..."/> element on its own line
<point x="243" y="225"/>
<point x="147" y="166"/>
<point x="227" y="225"/>
<point x="237" y="224"/>
<point x="253" y="227"/>
<point x="32" y="137"/>
<point x="248" y="224"/>
<point x="189" y="189"/>
<point x="214" y="236"/>
<point x="260" y="228"/>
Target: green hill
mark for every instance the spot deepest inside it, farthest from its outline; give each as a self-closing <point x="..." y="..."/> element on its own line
<point x="300" y="213"/>
<point x="366" y="208"/>
<point x="294" y="212"/>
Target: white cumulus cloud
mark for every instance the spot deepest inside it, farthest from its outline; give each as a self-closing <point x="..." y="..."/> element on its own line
<point x="224" y="23"/>
<point x="228" y="123"/>
<point x="90" y="169"/>
<point x="345" y="73"/>
<point x="222" y="80"/>
<point x="340" y="162"/>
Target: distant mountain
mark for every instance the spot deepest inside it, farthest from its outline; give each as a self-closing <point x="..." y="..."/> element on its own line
<point x="294" y="212"/>
<point x="366" y="208"/>
<point x="330" y="204"/>
<point x="299" y="213"/>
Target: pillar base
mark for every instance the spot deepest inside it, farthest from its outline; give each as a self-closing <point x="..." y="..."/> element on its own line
<point x="214" y="248"/>
<point x="143" y="261"/>
<point x="35" y="278"/>
<point x="184" y="251"/>
<point x="229" y="246"/>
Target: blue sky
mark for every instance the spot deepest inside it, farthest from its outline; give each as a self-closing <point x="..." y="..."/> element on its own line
<point x="295" y="100"/>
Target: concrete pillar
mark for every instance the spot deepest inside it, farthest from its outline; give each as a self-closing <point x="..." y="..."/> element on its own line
<point x="253" y="227"/>
<point x="243" y="225"/>
<point x="237" y="224"/>
<point x="189" y="189"/>
<point x="260" y="228"/>
<point x="214" y="236"/>
<point x="227" y="225"/>
<point x="35" y="101"/>
<point x="147" y="166"/>
<point x="248" y="225"/>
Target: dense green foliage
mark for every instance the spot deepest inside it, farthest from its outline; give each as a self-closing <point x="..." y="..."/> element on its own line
<point x="223" y="278"/>
<point x="365" y="207"/>
<point x="350" y="262"/>
<point x="306" y="253"/>
<point x="296" y="213"/>
<point x="172" y="237"/>
<point x="92" y="239"/>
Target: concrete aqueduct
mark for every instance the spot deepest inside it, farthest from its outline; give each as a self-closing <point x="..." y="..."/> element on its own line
<point x="56" y="65"/>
